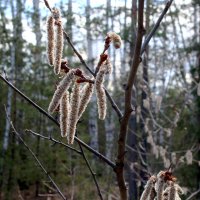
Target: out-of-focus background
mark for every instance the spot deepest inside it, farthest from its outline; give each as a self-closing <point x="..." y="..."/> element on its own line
<point x="164" y="129"/>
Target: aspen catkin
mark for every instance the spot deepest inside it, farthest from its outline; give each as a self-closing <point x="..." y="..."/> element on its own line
<point x="160" y="185"/>
<point x="101" y="96"/>
<point x="73" y="117"/>
<point x="62" y="87"/>
<point x="85" y="98"/>
<point x="172" y="191"/>
<point x="58" y="48"/>
<point x="50" y="39"/>
<point x="148" y="188"/>
<point x="64" y="114"/>
<point x="116" y="39"/>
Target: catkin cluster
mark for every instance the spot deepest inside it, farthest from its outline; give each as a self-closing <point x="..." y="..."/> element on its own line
<point x="162" y="187"/>
<point x="55" y="40"/>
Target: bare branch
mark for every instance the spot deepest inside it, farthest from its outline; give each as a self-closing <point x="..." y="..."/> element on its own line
<point x="193" y="194"/>
<point x="36" y="159"/>
<point x="53" y="140"/>
<point x="128" y="106"/>
<point x="154" y="29"/>
<point x="92" y="173"/>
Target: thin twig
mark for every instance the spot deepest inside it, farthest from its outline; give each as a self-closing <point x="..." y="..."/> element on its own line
<point x="96" y="153"/>
<point x="154" y="29"/>
<point x="92" y="173"/>
<point x="53" y="140"/>
<point x="36" y="159"/>
<point x="193" y="194"/>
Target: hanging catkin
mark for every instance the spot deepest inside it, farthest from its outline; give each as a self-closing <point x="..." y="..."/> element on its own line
<point x="172" y="191"/>
<point x="85" y="98"/>
<point x="160" y="185"/>
<point x="62" y="87"/>
<point x="58" y="48"/>
<point x="148" y="188"/>
<point x="101" y="96"/>
<point x="73" y="117"/>
<point x="64" y="114"/>
<point x="50" y="39"/>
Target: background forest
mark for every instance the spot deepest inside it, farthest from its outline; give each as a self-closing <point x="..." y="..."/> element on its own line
<point x="163" y="129"/>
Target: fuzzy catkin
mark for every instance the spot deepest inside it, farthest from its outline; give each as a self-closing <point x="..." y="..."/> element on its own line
<point x="58" y="48"/>
<point x="62" y="87"/>
<point x="148" y="188"/>
<point x="160" y="185"/>
<point x="64" y="114"/>
<point x="73" y="117"/>
<point x="172" y="192"/>
<point x="101" y="96"/>
<point x="116" y="39"/>
<point x="85" y="98"/>
<point x="50" y="39"/>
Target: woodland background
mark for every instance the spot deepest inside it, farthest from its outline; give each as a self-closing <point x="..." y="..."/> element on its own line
<point x="164" y="128"/>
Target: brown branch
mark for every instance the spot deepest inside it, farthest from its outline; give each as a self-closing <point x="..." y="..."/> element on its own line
<point x="154" y="29"/>
<point x="53" y="140"/>
<point x="96" y="153"/>
<point x="128" y="106"/>
<point x="36" y="159"/>
<point x="92" y="173"/>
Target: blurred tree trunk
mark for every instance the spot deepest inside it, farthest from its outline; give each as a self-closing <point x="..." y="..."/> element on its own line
<point x="36" y="18"/>
<point x="93" y="129"/>
<point x="144" y="110"/>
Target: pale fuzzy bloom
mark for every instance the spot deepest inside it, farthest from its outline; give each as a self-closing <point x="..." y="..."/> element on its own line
<point x="50" y="39"/>
<point x="189" y="157"/>
<point x="172" y="191"/>
<point x="146" y="103"/>
<point x="58" y="48"/>
<point x="168" y="131"/>
<point x="56" y="13"/>
<point x="62" y="87"/>
<point x="158" y="103"/>
<point x="148" y="188"/>
<point x="159" y="186"/>
<point x="85" y="98"/>
<point x="101" y="96"/>
<point x="64" y="114"/>
<point x="173" y="157"/>
<point x="73" y="117"/>
<point x="116" y="39"/>
<point x="166" y="162"/>
<point x="107" y="66"/>
<point x="198" y="89"/>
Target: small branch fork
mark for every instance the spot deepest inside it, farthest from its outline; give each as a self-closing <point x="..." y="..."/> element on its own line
<point x="36" y="159"/>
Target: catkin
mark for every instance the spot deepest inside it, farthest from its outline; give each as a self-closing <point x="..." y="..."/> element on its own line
<point x="116" y="39"/>
<point x="50" y="39"/>
<point x="64" y="114"/>
<point x="172" y="191"/>
<point x="62" y="87"/>
<point x="148" y="188"/>
<point x="160" y="185"/>
<point x="85" y="98"/>
<point x="58" y="48"/>
<point x="73" y="117"/>
<point x="101" y="96"/>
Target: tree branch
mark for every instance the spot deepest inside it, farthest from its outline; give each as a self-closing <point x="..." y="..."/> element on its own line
<point x="36" y="159"/>
<point x="92" y="173"/>
<point x="128" y="106"/>
<point x="96" y="153"/>
<point x="154" y="29"/>
<point x="53" y="140"/>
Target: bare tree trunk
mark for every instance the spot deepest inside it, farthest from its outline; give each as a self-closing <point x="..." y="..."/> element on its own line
<point x="93" y="129"/>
